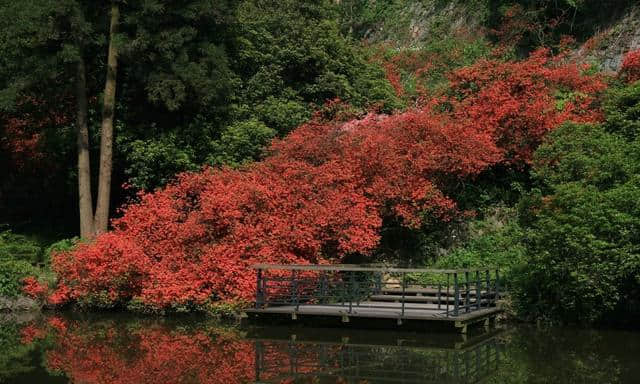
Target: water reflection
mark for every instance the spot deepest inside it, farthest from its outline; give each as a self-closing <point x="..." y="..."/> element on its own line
<point x="121" y="349"/>
<point x="347" y="362"/>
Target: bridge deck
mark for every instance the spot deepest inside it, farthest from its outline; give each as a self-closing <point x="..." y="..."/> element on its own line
<point x="380" y="310"/>
<point x="457" y="297"/>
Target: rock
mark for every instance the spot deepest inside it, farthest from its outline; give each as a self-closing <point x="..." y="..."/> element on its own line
<point x="609" y="46"/>
<point x="18" y="304"/>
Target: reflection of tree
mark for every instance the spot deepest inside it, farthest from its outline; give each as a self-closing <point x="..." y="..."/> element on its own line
<point x="140" y="353"/>
<point x="15" y="357"/>
<point x="566" y="356"/>
<point x="152" y="352"/>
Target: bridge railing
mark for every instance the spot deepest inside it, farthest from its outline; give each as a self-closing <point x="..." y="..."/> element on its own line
<point x="450" y="292"/>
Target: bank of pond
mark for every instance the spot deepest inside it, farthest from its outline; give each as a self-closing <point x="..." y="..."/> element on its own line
<point x="76" y="347"/>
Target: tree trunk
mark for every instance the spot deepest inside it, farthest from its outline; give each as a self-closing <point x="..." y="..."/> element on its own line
<point x="106" y="130"/>
<point x="84" y="168"/>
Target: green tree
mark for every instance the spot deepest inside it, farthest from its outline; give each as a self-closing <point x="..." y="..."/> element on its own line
<point x="582" y="227"/>
<point x="62" y="49"/>
<point x="622" y="110"/>
<point x="290" y="55"/>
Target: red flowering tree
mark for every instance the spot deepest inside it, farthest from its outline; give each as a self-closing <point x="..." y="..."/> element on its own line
<point x="519" y="102"/>
<point x="143" y="352"/>
<point x="155" y="354"/>
<point x="324" y="190"/>
<point x="630" y="68"/>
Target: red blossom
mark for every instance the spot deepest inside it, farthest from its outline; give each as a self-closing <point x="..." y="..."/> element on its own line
<point x="324" y="190"/>
<point x="519" y="102"/>
<point x="630" y="69"/>
<point x="33" y="288"/>
<point x="31" y="333"/>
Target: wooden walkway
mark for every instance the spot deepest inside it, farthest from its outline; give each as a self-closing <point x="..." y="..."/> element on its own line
<point x="458" y="297"/>
<point x="381" y="310"/>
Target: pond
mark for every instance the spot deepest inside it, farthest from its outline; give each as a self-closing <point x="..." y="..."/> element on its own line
<point x="74" y="348"/>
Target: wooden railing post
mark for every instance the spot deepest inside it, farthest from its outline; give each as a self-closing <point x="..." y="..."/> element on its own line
<point x="294" y="289"/>
<point x="448" y="297"/>
<point x="466" y="296"/>
<point x="488" y="284"/>
<point x="378" y="288"/>
<point x="323" y="287"/>
<point x="404" y="288"/>
<point x="497" y="294"/>
<point x="351" y="293"/>
<point x="478" y="290"/>
<point x="259" y="292"/>
<point x="456" y="290"/>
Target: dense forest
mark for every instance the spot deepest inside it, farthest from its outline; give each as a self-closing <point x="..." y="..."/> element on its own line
<point x="152" y="150"/>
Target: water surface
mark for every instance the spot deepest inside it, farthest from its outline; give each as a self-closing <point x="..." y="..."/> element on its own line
<point x="125" y="349"/>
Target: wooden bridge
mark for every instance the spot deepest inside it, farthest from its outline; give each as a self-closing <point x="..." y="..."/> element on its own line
<point x="457" y="297"/>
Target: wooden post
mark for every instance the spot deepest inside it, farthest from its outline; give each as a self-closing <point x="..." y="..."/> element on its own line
<point x="404" y="287"/>
<point x="478" y="290"/>
<point x="323" y="287"/>
<point x="259" y="294"/>
<point x="294" y="289"/>
<point x="456" y="290"/>
<point x="466" y="296"/>
<point x="448" y="297"/>
<point x="488" y="284"/>
<point x="497" y="293"/>
<point x="351" y="293"/>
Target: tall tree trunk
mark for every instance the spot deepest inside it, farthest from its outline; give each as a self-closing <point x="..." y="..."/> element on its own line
<point x="84" y="168"/>
<point x="106" y="130"/>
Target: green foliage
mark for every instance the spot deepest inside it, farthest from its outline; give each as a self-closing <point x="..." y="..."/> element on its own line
<point x="63" y="245"/>
<point x="290" y="54"/>
<point x="15" y="359"/>
<point x="273" y="64"/>
<point x="494" y="241"/>
<point x="449" y="53"/>
<point x="11" y="274"/>
<point x="21" y="256"/>
<point x="240" y="143"/>
<point x="392" y="20"/>
<point x="622" y="110"/>
<point x="154" y="162"/>
<point x="32" y="46"/>
<point x="19" y="247"/>
<point x="582" y="229"/>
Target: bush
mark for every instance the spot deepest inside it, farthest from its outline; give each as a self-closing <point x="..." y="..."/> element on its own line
<point x="63" y="245"/>
<point x="630" y="69"/>
<point x="19" y="247"/>
<point x="622" y="109"/>
<point x="495" y="241"/>
<point x="241" y="143"/>
<point x="582" y="228"/>
<point x="322" y="193"/>
<point x="11" y="274"/>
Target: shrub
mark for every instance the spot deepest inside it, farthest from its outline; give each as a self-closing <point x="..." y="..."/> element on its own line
<point x="19" y="247"/>
<point x="12" y="272"/>
<point x="630" y="69"/>
<point x="494" y="241"/>
<point x="582" y="229"/>
<point x="322" y="192"/>
<point x="241" y="143"/>
<point x="622" y="110"/>
<point x="63" y="245"/>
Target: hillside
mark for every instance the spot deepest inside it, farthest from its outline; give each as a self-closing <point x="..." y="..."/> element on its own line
<point x="418" y="132"/>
